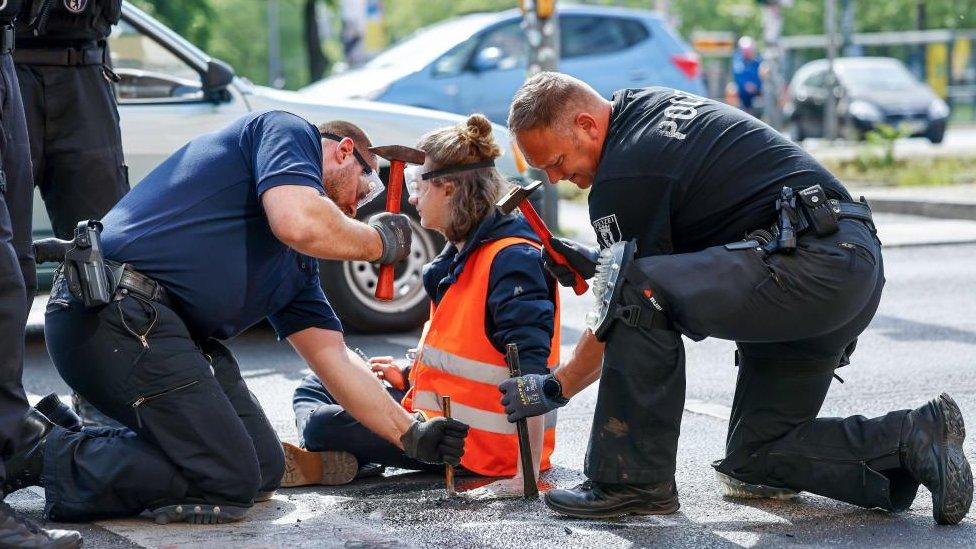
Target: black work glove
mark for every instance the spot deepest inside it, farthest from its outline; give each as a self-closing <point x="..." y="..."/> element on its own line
<point x="439" y="440"/>
<point x="526" y="396"/>
<point x="395" y="232"/>
<point x="581" y="258"/>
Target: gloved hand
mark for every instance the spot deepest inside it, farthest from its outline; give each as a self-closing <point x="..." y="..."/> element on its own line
<point x="395" y="232"/>
<point x="526" y="396"/>
<point x="439" y="440"/>
<point x="582" y="259"/>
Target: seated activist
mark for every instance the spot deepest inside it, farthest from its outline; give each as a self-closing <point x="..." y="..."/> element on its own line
<point x="218" y="237"/>
<point x="488" y="289"/>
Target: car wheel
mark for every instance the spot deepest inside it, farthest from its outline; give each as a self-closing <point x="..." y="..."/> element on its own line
<point x="351" y="285"/>
<point x="935" y="137"/>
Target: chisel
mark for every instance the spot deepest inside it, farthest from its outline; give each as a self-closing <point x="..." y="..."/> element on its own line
<point x="530" y="489"/>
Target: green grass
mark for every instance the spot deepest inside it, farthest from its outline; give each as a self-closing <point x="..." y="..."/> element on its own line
<point x="946" y="170"/>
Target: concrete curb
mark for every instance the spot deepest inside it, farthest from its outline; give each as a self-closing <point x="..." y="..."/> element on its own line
<point x="942" y="210"/>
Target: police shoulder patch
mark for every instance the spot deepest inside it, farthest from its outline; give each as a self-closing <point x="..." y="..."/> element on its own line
<point x="607" y="230"/>
<point x="75" y="6"/>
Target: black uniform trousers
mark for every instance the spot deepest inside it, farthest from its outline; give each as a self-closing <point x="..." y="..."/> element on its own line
<point x="194" y="432"/>
<point x="794" y="318"/>
<point x="17" y="273"/>
<point x="75" y="142"/>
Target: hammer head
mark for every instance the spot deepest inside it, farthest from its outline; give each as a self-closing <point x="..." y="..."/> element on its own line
<point x="514" y="198"/>
<point x="408" y="155"/>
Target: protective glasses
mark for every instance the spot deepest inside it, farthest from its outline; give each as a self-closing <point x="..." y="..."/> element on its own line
<point x="413" y="176"/>
<point x="368" y="178"/>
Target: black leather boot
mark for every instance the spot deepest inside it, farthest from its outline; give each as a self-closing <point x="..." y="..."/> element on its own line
<point x="593" y="499"/>
<point x="26" y="466"/>
<point x="17" y="531"/>
<point x="59" y="412"/>
<point x="931" y="451"/>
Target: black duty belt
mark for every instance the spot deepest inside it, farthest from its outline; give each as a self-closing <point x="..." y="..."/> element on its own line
<point x="64" y="57"/>
<point x="128" y="281"/>
<point x="7" y="37"/>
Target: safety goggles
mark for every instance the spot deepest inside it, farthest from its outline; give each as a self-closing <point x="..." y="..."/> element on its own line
<point x="413" y="175"/>
<point x="368" y="178"/>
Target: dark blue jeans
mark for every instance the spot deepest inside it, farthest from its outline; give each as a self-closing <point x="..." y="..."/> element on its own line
<point x="194" y="430"/>
<point x="325" y="425"/>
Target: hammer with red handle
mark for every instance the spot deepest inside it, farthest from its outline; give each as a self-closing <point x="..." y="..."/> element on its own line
<point x="516" y="198"/>
<point x="399" y="156"/>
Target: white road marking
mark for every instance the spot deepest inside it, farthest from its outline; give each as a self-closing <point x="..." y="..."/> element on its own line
<point x="705" y="408"/>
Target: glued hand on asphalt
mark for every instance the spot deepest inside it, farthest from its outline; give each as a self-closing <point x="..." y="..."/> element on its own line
<point x="524" y="397"/>
<point x="438" y="440"/>
<point x="582" y="259"/>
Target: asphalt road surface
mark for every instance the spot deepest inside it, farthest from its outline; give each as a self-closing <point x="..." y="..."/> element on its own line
<point x="920" y="343"/>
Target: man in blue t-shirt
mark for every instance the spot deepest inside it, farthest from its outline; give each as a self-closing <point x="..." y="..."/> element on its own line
<point x="221" y="235"/>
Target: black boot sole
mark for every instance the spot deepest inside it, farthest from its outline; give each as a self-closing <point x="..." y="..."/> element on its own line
<point x="624" y="509"/>
<point x="198" y="513"/>
<point x="952" y="502"/>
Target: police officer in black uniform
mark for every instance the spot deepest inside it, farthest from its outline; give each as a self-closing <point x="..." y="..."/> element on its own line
<point x="16" y="275"/>
<point x="66" y="80"/>
<point x="737" y="234"/>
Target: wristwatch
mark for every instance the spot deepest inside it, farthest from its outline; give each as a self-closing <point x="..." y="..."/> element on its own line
<point x="553" y="390"/>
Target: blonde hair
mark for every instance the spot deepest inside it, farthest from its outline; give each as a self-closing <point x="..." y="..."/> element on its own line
<point x="475" y="191"/>
<point x="547" y="100"/>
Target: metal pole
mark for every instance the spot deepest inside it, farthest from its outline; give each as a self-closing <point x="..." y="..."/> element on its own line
<point x="847" y="46"/>
<point x="830" y="102"/>
<point x="772" y="59"/>
<point x="274" y="46"/>
<point x="542" y="36"/>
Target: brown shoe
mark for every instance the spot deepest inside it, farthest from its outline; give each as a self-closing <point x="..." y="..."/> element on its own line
<point x="303" y="468"/>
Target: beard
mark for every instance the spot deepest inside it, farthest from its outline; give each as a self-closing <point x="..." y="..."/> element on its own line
<point x="337" y="180"/>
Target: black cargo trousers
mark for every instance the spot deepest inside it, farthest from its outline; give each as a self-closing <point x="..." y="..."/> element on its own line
<point x="794" y="318"/>
<point x="194" y="432"/>
<point x="75" y="139"/>
<point x="17" y="272"/>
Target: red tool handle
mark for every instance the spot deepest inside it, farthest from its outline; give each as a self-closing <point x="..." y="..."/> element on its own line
<point x="539" y="227"/>
<point x="394" y="190"/>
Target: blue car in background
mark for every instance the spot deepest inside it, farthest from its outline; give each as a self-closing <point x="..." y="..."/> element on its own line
<point x="476" y="62"/>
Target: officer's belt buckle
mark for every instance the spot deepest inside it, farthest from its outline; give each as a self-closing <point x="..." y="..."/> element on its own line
<point x="629" y="314"/>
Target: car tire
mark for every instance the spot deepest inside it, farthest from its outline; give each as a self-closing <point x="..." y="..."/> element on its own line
<point x="935" y="137"/>
<point x="350" y="286"/>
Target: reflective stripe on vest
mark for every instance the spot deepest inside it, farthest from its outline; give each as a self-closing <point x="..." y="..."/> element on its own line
<point x="457" y="359"/>
<point x="477" y="419"/>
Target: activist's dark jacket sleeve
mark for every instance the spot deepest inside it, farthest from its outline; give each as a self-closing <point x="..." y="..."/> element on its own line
<point x="520" y="307"/>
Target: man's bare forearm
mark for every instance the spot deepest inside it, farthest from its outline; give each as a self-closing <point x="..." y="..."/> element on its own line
<point x="355" y="387"/>
<point x="583" y="367"/>
<point x="313" y="225"/>
<point x="333" y="235"/>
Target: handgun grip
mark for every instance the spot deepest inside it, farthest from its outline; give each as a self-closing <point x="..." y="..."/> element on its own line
<point x="50" y="250"/>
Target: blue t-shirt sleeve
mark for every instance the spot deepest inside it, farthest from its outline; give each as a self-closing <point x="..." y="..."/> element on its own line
<point x="309" y="309"/>
<point x="283" y="149"/>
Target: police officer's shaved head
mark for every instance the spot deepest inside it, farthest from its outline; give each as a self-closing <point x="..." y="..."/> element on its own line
<point x="549" y="99"/>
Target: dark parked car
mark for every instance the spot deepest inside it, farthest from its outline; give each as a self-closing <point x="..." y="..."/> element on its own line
<point x="870" y="91"/>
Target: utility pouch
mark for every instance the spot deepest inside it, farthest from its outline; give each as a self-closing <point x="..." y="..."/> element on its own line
<point x="820" y="212"/>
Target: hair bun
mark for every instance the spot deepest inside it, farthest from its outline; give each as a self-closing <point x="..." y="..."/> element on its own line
<point x="477" y="133"/>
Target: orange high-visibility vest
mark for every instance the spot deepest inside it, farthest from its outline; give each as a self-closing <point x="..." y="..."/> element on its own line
<point x="455" y="358"/>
